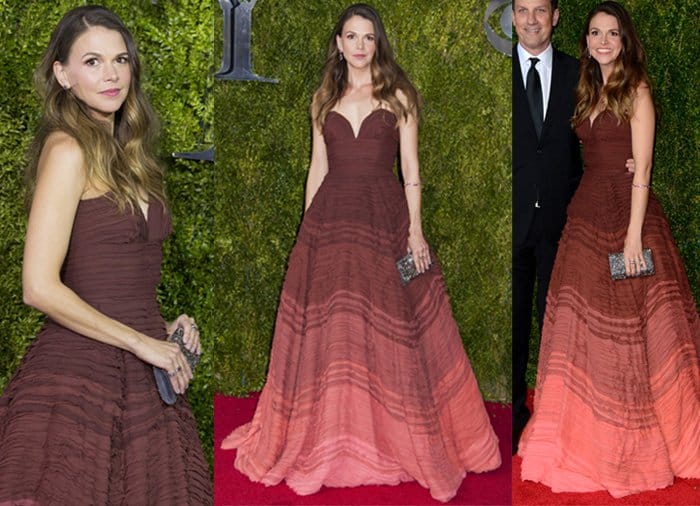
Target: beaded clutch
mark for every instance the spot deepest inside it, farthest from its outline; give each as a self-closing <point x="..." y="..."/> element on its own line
<point x="407" y="269"/>
<point x="165" y="387"/>
<point x="617" y="265"/>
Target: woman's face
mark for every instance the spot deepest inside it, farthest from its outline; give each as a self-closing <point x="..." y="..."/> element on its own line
<point x="97" y="71"/>
<point x="604" y="40"/>
<point x="357" y="42"/>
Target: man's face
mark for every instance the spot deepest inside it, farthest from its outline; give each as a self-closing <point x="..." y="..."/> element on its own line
<point x="533" y="21"/>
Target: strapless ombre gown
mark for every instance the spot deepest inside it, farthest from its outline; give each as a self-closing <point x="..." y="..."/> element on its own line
<point x="368" y="381"/>
<point x="81" y="421"/>
<point x="617" y="402"/>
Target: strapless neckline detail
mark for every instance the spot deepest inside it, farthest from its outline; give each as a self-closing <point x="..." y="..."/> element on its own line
<point x="592" y="122"/>
<point x="362" y="123"/>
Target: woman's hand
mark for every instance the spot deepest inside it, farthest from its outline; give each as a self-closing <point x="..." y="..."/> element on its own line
<point x="191" y="334"/>
<point x="168" y="357"/>
<point x="180" y="378"/>
<point x="634" y="260"/>
<point x="420" y="251"/>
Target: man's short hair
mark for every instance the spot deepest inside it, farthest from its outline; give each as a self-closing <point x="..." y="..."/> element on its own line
<point x="554" y="3"/>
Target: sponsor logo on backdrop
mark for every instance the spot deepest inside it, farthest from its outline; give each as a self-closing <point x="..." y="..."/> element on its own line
<point x="236" y="61"/>
<point x="499" y="13"/>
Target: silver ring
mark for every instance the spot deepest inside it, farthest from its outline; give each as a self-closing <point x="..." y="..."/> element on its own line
<point x="194" y="326"/>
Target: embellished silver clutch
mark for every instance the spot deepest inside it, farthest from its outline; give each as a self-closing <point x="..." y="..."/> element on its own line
<point x="165" y="388"/>
<point x="617" y="265"/>
<point x="407" y="269"/>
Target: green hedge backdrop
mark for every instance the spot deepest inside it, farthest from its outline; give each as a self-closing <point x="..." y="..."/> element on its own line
<point x="669" y="33"/>
<point x="176" y="44"/>
<point x="262" y="134"/>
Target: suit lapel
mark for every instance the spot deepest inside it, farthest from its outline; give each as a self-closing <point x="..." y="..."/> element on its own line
<point x="557" y="88"/>
<point x="517" y="74"/>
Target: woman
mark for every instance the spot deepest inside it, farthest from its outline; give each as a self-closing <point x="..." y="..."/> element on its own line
<point x="617" y="404"/>
<point x="81" y="422"/>
<point x="368" y="380"/>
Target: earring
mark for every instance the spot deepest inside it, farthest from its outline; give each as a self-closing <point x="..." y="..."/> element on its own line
<point x="340" y="56"/>
<point x="588" y="50"/>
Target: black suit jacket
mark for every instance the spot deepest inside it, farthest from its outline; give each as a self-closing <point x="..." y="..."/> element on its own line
<point x="545" y="171"/>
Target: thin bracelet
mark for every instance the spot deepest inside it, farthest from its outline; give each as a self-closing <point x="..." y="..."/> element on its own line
<point x="406" y="185"/>
<point x="636" y="185"/>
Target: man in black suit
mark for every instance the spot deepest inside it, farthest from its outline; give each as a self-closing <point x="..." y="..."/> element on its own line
<point x="546" y="171"/>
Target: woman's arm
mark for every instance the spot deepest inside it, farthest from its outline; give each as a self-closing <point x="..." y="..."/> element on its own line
<point x="318" y="168"/>
<point x="408" y="137"/>
<point x="643" y="124"/>
<point x="61" y="181"/>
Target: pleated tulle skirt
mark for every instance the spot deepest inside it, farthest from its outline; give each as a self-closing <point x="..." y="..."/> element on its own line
<point x="81" y="422"/>
<point x="368" y="380"/>
<point x="617" y="402"/>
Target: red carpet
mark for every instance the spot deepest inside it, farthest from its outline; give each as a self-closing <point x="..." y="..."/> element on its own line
<point x="683" y="492"/>
<point x="233" y="488"/>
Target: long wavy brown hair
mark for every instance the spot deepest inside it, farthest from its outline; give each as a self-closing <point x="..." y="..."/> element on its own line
<point x="121" y="161"/>
<point x="387" y="76"/>
<point x="628" y="73"/>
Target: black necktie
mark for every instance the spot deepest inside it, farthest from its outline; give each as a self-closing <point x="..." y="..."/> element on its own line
<point x="534" y="96"/>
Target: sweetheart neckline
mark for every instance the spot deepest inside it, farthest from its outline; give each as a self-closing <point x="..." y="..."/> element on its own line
<point x="362" y="123"/>
<point x="592" y="122"/>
